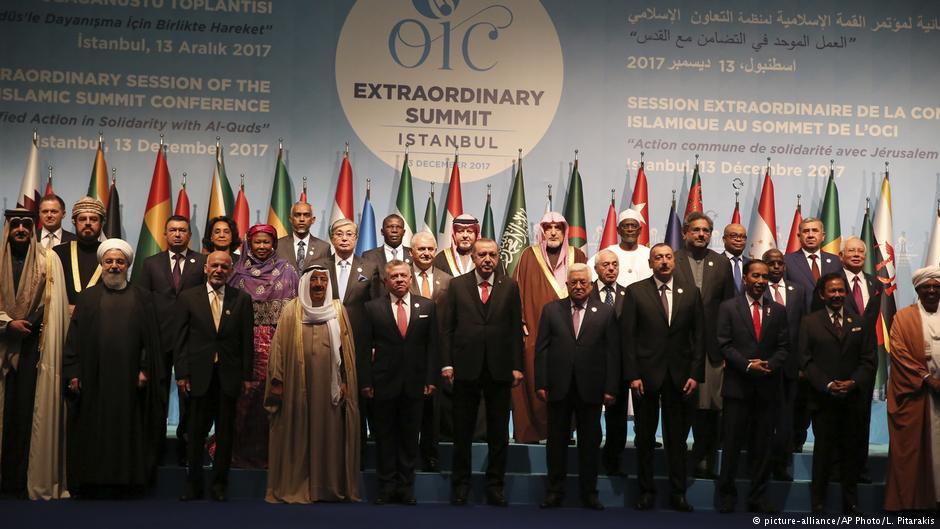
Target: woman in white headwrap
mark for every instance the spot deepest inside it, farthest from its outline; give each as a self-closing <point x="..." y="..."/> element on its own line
<point x="314" y="444"/>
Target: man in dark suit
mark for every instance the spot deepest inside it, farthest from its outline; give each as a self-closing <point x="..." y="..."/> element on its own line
<point x="735" y="240"/>
<point x="793" y="298"/>
<point x="806" y="265"/>
<point x="165" y="275"/>
<point x="393" y="232"/>
<point x="482" y="355"/>
<point x="213" y="365"/>
<point x="663" y="355"/>
<point x="863" y="299"/>
<point x="431" y="282"/>
<point x="752" y="335"/>
<point x="301" y="248"/>
<point x="398" y="367"/>
<point x="838" y="355"/>
<point x="577" y="370"/>
<point x="606" y="290"/>
<point x="50" y="231"/>
<point x="710" y="272"/>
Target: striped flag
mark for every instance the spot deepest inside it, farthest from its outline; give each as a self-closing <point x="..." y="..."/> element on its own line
<point x="405" y="203"/>
<point x="673" y="228"/>
<point x="609" y="238"/>
<point x="367" y="239"/>
<point x="221" y="199"/>
<point x="241" y="214"/>
<point x="49" y="190"/>
<point x="489" y="231"/>
<point x="279" y="210"/>
<point x="182" y="200"/>
<point x="736" y="214"/>
<point x="152" y="240"/>
<point x="343" y="205"/>
<point x="829" y="214"/>
<point x="694" y="203"/>
<point x="515" y="237"/>
<point x="303" y="193"/>
<point x="574" y="209"/>
<point x="639" y="203"/>
<point x="454" y="207"/>
<point x="430" y="215"/>
<point x="98" y="185"/>
<point x="886" y="271"/>
<point x="763" y="230"/>
<point x="793" y="242"/>
<point x="112" y="224"/>
<point x="29" y="190"/>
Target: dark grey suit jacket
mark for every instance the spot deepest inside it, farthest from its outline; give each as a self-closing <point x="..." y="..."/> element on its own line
<point x="717" y="286"/>
<point x="318" y="249"/>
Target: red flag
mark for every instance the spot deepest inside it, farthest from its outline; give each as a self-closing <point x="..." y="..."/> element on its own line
<point x="609" y="238"/>
<point x="639" y="202"/>
<point x="49" y="190"/>
<point x="242" y="215"/>
<point x="303" y="194"/>
<point x="182" y="202"/>
<point x="736" y="216"/>
<point x="454" y="207"/>
<point x="793" y="243"/>
<point x="343" y="205"/>
<point x="695" y="193"/>
<point x="763" y="231"/>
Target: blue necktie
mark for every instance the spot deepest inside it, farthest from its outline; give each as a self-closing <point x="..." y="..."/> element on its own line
<point x="736" y="264"/>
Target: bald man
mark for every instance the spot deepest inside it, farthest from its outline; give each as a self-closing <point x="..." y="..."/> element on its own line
<point x="301" y="248"/>
<point x="735" y="239"/>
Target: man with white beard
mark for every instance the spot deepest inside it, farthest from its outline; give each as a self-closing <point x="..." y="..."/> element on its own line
<point x="114" y="378"/>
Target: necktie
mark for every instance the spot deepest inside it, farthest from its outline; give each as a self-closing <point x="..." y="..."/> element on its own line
<point x="755" y="314"/>
<point x="343" y="278"/>
<point x="402" y="318"/>
<point x="609" y="295"/>
<point x="49" y="240"/>
<point x="857" y="294"/>
<point x="815" y="267"/>
<point x="576" y="319"/>
<point x="216" y="309"/>
<point x="664" y="300"/>
<point x="301" y="253"/>
<point x="736" y="270"/>
<point x="177" y="272"/>
<point x="425" y="285"/>
<point x="394" y="254"/>
<point x="777" y="297"/>
<point x="484" y="292"/>
<point x="837" y="322"/>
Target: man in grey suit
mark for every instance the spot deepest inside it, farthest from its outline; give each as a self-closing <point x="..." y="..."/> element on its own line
<point x="432" y="283"/>
<point x="393" y="232"/>
<point x="301" y="248"/>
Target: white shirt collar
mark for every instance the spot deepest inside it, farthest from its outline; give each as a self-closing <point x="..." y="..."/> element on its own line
<point x="480" y="279"/>
<point x="406" y="298"/>
<point x="416" y="271"/>
<point x="209" y="289"/>
<point x="57" y="233"/>
<point x="841" y="313"/>
<point x="750" y="301"/>
<point x="817" y="253"/>
<point x="852" y="275"/>
<point x="659" y="284"/>
<point x="306" y="239"/>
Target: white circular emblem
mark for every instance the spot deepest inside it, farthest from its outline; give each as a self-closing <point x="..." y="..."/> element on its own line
<point x="679" y="290"/>
<point x="435" y="76"/>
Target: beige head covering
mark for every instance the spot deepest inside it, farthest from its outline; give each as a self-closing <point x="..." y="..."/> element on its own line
<point x="925" y="274"/>
<point x="88" y="205"/>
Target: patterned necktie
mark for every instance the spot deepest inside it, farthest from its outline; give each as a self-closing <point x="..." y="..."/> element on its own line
<point x="837" y="323"/>
<point x="576" y="319"/>
<point x="736" y="271"/>
<point x="815" y="267"/>
<point x="402" y="318"/>
<point x="343" y="278"/>
<point x="609" y="295"/>
<point x="857" y="294"/>
<point x="301" y="253"/>
<point x="777" y="296"/>
<point x="177" y="272"/>
<point x="755" y="314"/>
<point x="664" y="300"/>
<point x="49" y="240"/>
<point x="216" y="309"/>
<point x="425" y="285"/>
<point x="484" y="292"/>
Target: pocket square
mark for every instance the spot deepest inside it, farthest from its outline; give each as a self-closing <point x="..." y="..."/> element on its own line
<point x="361" y="278"/>
<point x="423" y="316"/>
<point x="856" y="329"/>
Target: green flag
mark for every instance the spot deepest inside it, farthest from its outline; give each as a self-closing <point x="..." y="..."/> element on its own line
<point x="829" y="214"/>
<point x="279" y="211"/>
<point x="515" y="237"/>
<point x="574" y="210"/>
<point x="405" y="204"/>
<point x="489" y="232"/>
<point x="430" y="216"/>
<point x="868" y="237"/>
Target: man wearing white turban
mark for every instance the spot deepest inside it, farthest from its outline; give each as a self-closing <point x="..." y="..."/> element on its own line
<point x="914" y="400"/>
<point x="114" y="382"/>
<point x="632" y="256"/>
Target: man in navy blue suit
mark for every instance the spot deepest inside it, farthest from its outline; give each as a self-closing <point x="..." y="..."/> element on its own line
<point x="752" y="338"/>
<point x="806" y="265"/>
<point x="735" y="239"/>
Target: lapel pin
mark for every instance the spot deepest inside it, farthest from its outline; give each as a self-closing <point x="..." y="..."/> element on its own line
<point x="679" y="291"/>
<point x="828" y="260"/>
<point x="593" y="309"/>
<point x="417" y="305"/>
<point x="711" y="263"/>
<point x="789" y="287"/>
<point x="359" y="269"/>
<point x="228" y="312"/>
<point x="192" y="259"/>
<point x="629" y="270"/>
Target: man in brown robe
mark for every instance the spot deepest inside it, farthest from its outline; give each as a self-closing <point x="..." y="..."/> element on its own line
<point x="313" y="452"/>
<point x="914" y="400"/>
<point x="541" y="274"/>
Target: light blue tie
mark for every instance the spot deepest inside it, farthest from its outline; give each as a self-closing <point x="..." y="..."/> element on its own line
<point x="736" y="263"/>
<point x="343" y="278"/>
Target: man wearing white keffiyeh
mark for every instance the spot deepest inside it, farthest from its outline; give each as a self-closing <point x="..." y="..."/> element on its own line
<point x="314" y="443"/>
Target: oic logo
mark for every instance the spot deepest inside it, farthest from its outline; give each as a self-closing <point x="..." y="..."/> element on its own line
<point x="436" y="9"/>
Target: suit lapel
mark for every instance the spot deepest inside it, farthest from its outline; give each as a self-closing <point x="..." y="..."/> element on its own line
<point x="392" y="317"/>
<point x="745" y="311"/>
<point x="475" y="296"/>
<point x="227" y="302"/>
<point x="165" y="270"/>
<point x="654" y="300"/>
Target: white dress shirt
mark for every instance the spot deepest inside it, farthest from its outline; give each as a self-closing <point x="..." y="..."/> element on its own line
<point x="862" y="284"/>
<point x="416" y="277"/>
<point x="184" y="254"/>
<point x="54" y="237"/>
<point x="781" y="287"/>
<point x="407" y="299"/>
<point x="659" y="285"/>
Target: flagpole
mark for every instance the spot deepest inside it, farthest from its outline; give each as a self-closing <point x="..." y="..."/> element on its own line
<point x="549" y="196"/>
<point x="612" y="199"/>
<point x="49" y="181"/>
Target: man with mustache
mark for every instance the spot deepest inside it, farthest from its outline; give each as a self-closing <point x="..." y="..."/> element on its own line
<point x="33" y="321"/>
<point x="752" y="338"/>
<point x="79" y="257"/>
<point x="457" y="259"/>
<point x="806" y="265"/>
<point x="115" y="379"/>
<point x="542" y="273"/>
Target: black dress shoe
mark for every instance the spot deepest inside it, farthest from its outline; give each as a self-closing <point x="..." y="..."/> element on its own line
<point x="430" y="465"/>
<point x="191" y="493"/>
<point x="657" y="444"/>
<point x="381" y="499"/>
<point x="495" y="498"/>
<point x="726" y="504"/>
<point x="218" y="493"/>
<point x="459" y="496"/>
<point x="591" y="502"/>
<point x="798" y="449"/>
<point x="408" y="499"/>
<point x="679" y="503"/>
<point x="761" y="507"/>
<point x="781" y="474"/>
<point x="645" y="502"/>
<point x="551" y="501"/>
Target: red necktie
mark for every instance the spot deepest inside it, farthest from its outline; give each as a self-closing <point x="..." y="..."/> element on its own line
<point x="484" y="292"/>
<point x="857" y="294"/>
<point x="777" y="297"/>
<point x="402" y="319"/>
<point x="755" y="314"/>
<point x="815" y="267"/>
